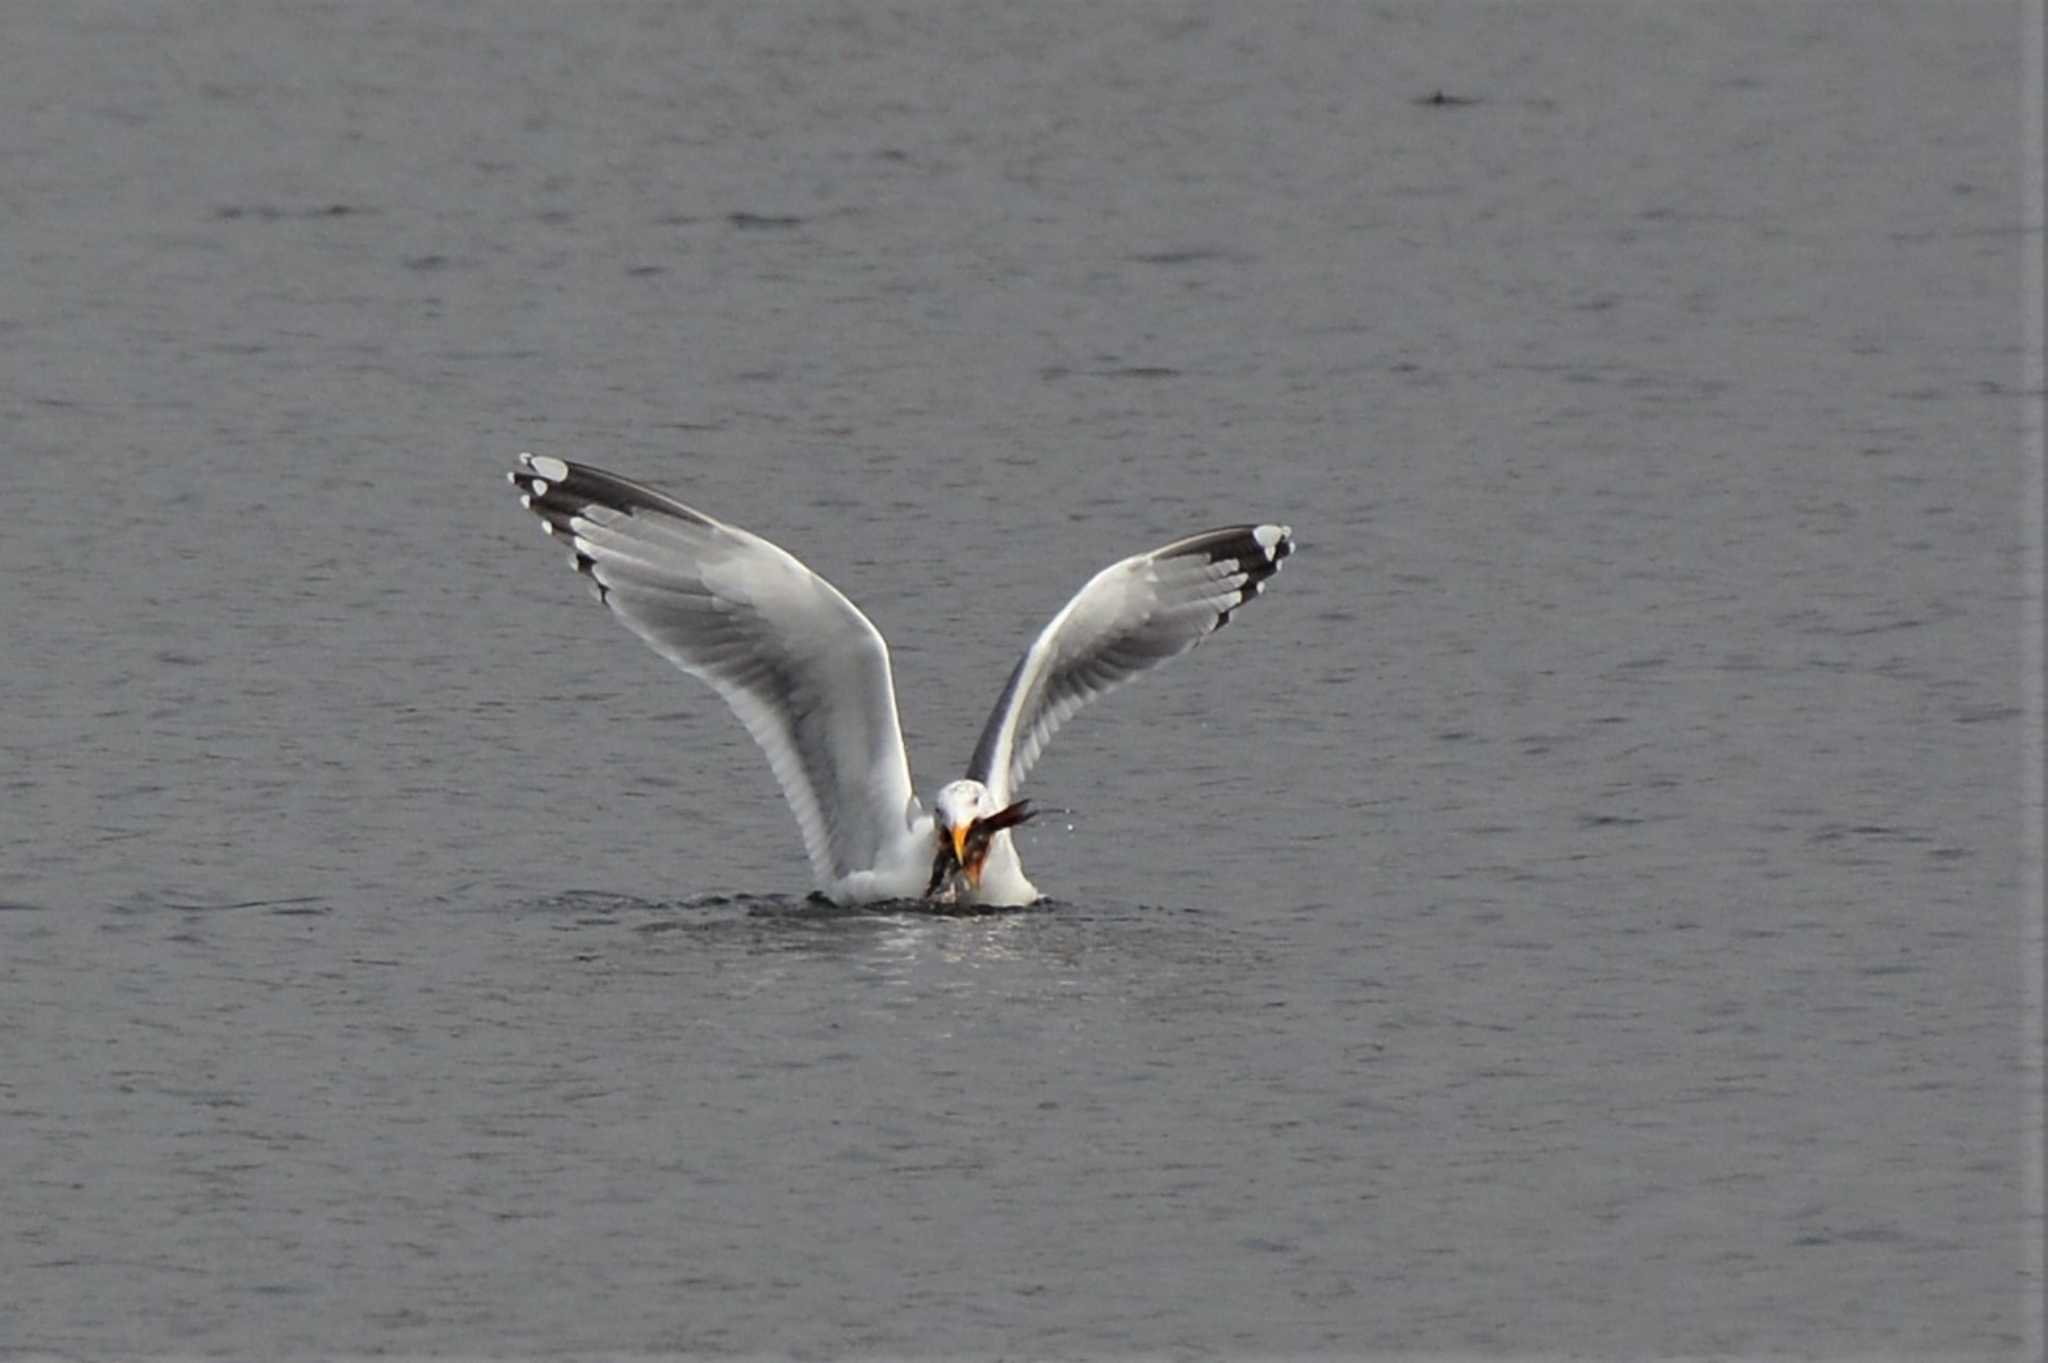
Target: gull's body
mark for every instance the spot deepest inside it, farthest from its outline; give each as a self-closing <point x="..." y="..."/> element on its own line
<point x="809" y="677"/>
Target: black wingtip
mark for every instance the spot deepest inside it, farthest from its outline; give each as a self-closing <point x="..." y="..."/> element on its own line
<point x="1256" y="551"/>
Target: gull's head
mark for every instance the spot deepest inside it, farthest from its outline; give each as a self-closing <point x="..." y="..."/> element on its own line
<point x="965" y="821"/>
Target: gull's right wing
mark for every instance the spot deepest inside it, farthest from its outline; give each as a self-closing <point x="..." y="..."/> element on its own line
<point x="804" y="670"/>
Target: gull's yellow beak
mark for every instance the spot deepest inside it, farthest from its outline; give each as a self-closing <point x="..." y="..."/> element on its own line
<point x="972" y="870"/>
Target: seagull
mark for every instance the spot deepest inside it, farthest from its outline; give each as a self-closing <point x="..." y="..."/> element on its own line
<point x="808" y="674"/>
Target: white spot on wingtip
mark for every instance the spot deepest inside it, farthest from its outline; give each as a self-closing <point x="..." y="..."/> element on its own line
<point x="554" y="470"/>
<point x="540" y="487"/>
<point x="547" y="528"/>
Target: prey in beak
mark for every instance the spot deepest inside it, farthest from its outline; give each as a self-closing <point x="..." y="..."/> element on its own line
<point x="964" y="847"/>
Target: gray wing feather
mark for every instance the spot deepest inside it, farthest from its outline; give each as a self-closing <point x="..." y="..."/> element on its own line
<point x="1131" y="617"/>
<point x="805" y="671"/>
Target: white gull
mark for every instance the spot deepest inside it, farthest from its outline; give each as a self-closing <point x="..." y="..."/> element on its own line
<point x="808" y="674"/>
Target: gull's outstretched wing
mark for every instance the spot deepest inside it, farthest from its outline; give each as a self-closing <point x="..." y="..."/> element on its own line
<point x="804" y="670"/>
<point x="1131" y="616"/>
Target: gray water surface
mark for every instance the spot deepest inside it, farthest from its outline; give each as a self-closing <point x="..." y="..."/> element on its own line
<point x="1575" y="912"/>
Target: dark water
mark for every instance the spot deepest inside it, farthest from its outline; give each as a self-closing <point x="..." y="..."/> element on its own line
<point x="1577" y="912"/>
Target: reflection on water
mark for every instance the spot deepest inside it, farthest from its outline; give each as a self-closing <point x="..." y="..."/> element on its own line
<point x="889" y="939"/>
<point x="1162" y="959"/>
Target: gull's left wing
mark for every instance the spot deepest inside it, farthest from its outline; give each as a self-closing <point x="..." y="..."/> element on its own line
<point x="1131" y="617"/>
